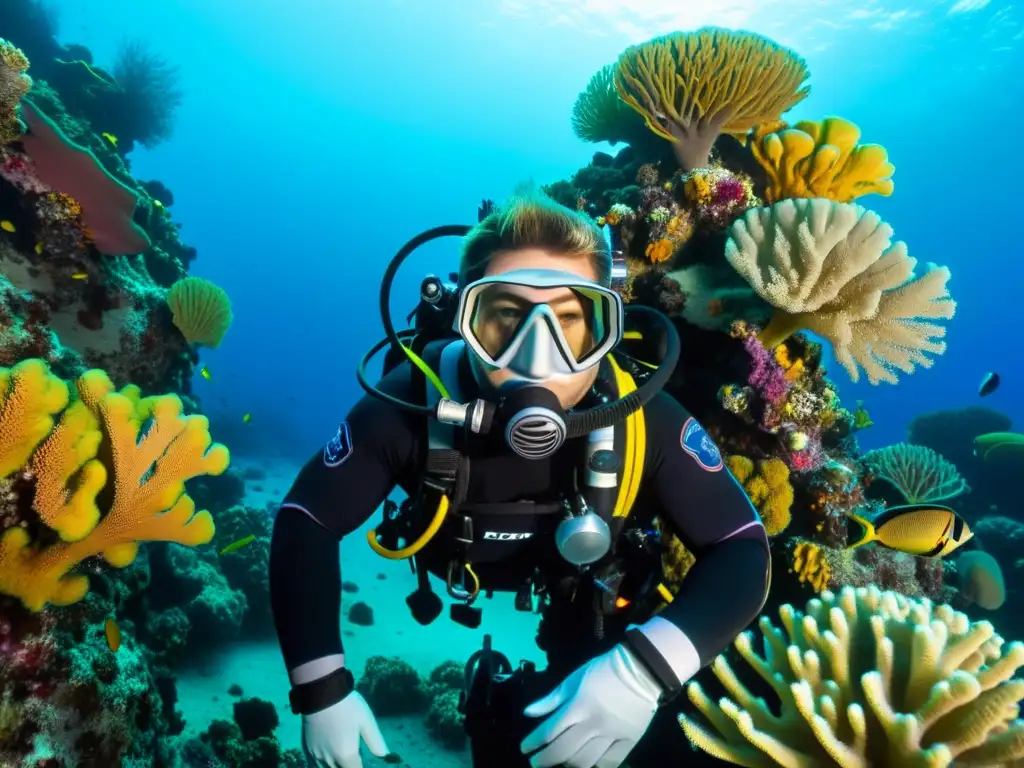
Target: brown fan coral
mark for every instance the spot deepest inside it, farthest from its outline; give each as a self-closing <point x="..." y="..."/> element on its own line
<point x="692" y="86"/>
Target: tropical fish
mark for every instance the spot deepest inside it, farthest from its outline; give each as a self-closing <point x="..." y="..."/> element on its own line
<point x="80" y="276"/>
<point x="6" y="226"/>
<point x="110" y="137"/>
<point x="205" y="373"/>
<point x="246" y="418"/>
<point x="861" y="418"/>
<point x="925" y="530"/>
<point x="157" y="203"/>
<point x="39" y="248"/>
<point x="113" y="634"/>
<point x="237" y="545"/>
<point x="989" y="384"/>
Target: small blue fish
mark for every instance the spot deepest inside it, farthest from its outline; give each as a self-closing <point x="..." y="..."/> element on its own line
<point x="989" y="384"/>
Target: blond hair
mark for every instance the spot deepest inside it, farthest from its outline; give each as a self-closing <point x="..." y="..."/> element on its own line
<point x="531" y="219"/>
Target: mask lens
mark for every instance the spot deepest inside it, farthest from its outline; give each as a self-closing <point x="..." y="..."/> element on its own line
<point x="501" y="313"/>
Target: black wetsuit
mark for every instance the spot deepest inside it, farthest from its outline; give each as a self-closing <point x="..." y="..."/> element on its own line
<point x="379" y="447"/>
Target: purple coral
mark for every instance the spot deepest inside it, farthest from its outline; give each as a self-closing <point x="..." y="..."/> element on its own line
<point x="766" y="375"/>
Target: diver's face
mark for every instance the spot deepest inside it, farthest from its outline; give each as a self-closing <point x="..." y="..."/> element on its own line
<point x="506" y="311"/>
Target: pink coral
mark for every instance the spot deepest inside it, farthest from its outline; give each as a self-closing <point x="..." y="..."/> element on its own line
<point x="19" y="171"/>
<point x="766" y="375"/>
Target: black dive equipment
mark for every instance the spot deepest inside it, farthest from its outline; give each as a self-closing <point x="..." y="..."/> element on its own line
<point x="526" y="409"/>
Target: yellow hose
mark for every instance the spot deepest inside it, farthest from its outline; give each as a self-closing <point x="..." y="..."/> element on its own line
<point x="406" y="552"/>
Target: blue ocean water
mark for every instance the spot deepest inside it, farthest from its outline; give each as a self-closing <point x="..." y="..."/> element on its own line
<point x="316" y="137"/>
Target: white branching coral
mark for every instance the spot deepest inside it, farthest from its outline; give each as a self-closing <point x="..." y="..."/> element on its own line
<point x="868" y="679"/>
<point x="832" y="268"/>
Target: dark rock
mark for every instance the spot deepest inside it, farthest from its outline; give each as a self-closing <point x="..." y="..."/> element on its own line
<point x="361" y="614"/>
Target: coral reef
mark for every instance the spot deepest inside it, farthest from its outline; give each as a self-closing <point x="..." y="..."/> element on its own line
<point x="866" y="677"/>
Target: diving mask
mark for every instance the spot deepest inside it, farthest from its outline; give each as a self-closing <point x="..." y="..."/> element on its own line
<point x="539" y="324"/>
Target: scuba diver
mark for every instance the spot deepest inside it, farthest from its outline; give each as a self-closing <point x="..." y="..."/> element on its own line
<point x="526" y="426"/>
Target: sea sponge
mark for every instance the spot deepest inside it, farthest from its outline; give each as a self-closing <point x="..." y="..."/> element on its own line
<point x="14" y="84"/>
<point x="920" y="474"/>
<point x="201" y="310"/>
<point x="821" y="159"/>
<point x="867" y="678"/>
<point x="831" y="268"/>
<point x="692" y="86"/>
<point x="149" y="468"/>
<point x="767" y="484"/>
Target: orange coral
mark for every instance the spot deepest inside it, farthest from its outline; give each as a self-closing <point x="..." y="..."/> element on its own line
<point x="660" y="250"/>
<point x="149" y="468"/>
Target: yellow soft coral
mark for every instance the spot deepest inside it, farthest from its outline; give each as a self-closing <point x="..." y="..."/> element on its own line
<point x="149" y="468"/>
<point x="30" y="398"/>
<point x="822" y="159"/>
<point x="767" y="484"/>
<point x="201" y="310"/>
<point x="867" y="679"/>
<point x="811" y="565"/>
<point x="692" y="86"/>
<point x="833" y="269"/>
<point x="14" y="84"/>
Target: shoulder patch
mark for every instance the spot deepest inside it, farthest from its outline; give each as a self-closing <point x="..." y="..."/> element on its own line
<point x="695" y="441"/>
<point x="339" y="447"/>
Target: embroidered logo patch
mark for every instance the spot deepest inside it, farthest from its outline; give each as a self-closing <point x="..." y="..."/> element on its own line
<point x="339" y="447"/>
<point x="695" y="441"/>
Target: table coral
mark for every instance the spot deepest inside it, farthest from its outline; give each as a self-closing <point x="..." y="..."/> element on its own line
<point x="867" y="678"/>
<point x="692" y="86"/>
<point x="148" y="467"/>
<point x="821" y="159"/>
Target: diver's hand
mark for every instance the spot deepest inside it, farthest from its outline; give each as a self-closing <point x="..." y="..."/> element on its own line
<point x="596" y="716"/>
<point x="331" y="737"/>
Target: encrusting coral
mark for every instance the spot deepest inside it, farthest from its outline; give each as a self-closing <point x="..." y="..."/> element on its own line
<point x="832" y="268"/>
<point x="14" y="84"/>
<point x="201" y="310"/>
<point x="868" y="678"/>
<point x="692" y="86"/>
<point x="821" y="159"/>
<point x="767" y="484"/>
<point x="917" y="472"/>
<point x="101" y="432"/>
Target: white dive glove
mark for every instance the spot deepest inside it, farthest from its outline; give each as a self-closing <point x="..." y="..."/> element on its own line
<point x="331" y="737"/>
<point x="596" y="716"/>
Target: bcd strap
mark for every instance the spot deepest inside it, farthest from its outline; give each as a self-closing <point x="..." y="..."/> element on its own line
<point x="635" y="447"/>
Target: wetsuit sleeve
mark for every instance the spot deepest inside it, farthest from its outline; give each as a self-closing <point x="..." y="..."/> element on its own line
<point x="339" y="488"/>
<point x="723" y="592"/>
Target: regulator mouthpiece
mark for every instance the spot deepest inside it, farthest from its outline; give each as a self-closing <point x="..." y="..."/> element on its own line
<point x="534" y="422"/>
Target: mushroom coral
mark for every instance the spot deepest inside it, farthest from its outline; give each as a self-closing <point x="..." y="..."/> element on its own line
<point x="691" y="87"/>
<point x="832" y="268"/>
